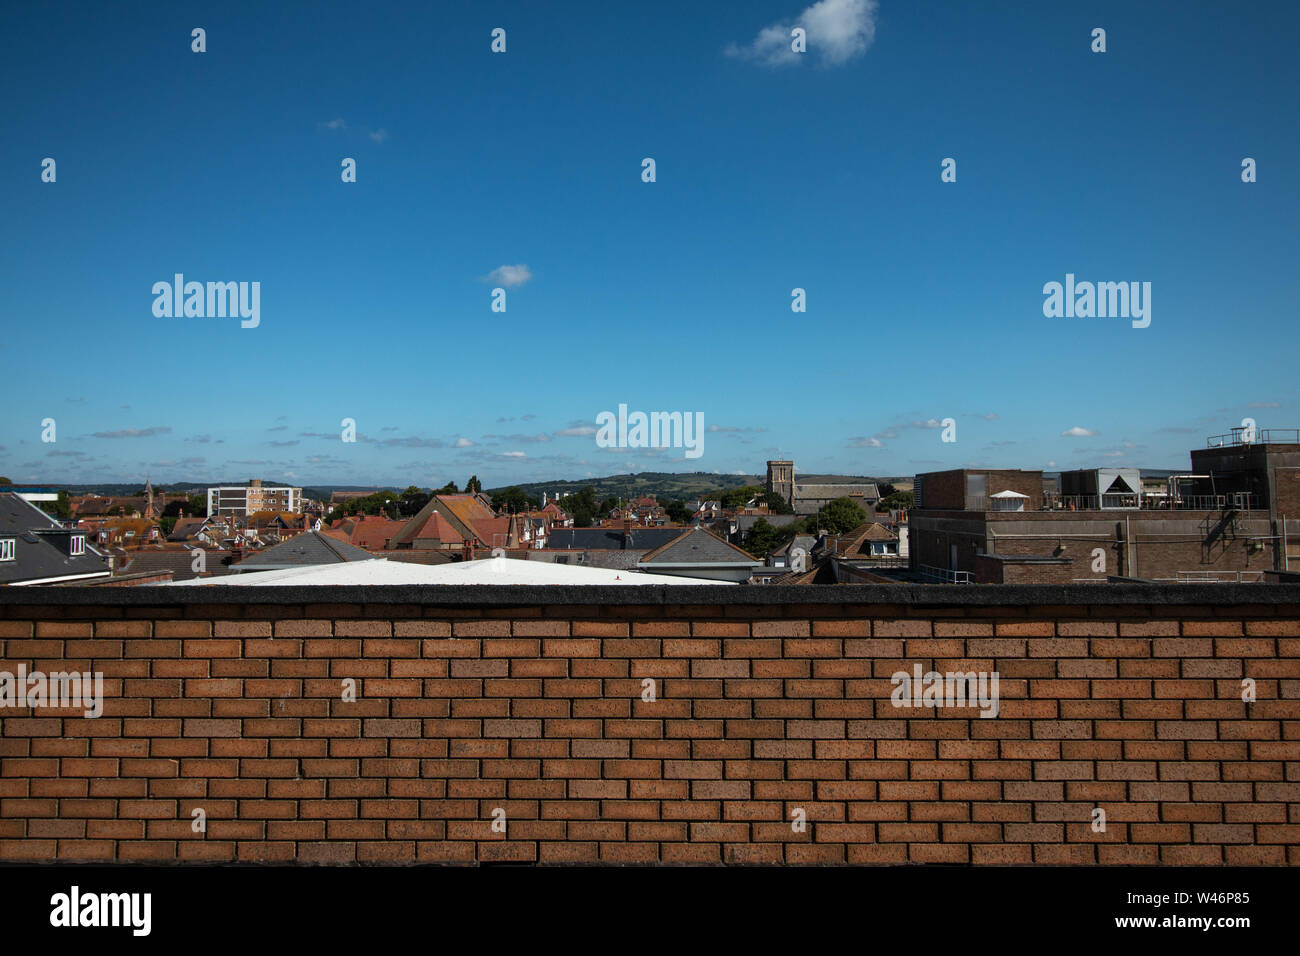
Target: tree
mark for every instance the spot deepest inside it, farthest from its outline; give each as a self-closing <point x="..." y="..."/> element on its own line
<point x="413" y="500"/>
<point x="899" y="499"/>
<point x="777" y="505"/>
<point x="195" y="506"/>
<point x="473" y="486"/>
<point x="761" y="539"/>
<point x="448" y="489"/>
<point x="5" y="481"/>
<point x="839" y="516"/>
<point x="736" y="497"/>
<point x="513" y="500"/>
<point x="606" y="506"/>
<point x="677" y="512"/>
<point x="582" y="506"/>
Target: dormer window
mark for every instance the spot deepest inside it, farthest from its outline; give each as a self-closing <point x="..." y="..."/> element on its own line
<point x="78" y="546"/>
<point x="6" y="549"/>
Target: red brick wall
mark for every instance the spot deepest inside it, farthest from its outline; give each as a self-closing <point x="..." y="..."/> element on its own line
<point x="761" y="710"/>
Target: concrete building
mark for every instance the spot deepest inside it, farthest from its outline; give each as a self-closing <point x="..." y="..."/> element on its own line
<point x="251" y="498"/>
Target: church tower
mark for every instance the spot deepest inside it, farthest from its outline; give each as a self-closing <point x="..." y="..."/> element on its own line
<point x="780" y="480"/>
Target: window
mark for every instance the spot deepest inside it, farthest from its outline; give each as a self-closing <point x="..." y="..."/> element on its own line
<point x="78" y="545"/>
<point x="6" y="549"/>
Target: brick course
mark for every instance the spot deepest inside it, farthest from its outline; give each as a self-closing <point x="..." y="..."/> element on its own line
<point x="759" y="711"/>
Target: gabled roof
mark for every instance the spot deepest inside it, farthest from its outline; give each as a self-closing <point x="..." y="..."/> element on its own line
<point x="309" y="548"/>
<point x="857" y="541"/>
<point x="438" y="528"/>
<point x="186" y="528"/>
<point x="698" y="546"/>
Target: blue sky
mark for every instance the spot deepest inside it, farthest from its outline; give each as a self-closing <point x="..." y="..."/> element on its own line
<point x="924" y="298"/>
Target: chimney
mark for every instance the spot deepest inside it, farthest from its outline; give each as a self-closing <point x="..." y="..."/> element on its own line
<point x="627" y="531"/>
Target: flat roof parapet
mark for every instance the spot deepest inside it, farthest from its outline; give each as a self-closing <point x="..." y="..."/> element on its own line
<point x="16" y="601"/>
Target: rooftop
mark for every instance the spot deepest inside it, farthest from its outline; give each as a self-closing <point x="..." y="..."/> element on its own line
<point x="492" y="571"/>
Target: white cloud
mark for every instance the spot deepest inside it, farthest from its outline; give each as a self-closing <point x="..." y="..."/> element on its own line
<point x="576" y="431"/>
<point x="464" y="443"/>
<point x="379" y="135"/>
<point x="1077" y="432"/>
<point x="336" y="124"/>
<point x="509" y="276"/>
<point x="837" y="31"/>
<point x="866" y="443"/>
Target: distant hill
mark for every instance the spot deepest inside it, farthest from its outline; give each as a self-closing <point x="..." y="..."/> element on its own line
<point x="677" y="486"/>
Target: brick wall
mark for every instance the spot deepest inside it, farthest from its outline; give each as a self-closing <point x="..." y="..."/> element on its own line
<point x="1129" y="701"/>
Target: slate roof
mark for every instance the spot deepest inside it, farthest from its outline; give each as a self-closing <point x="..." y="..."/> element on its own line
<point x="37" y="556"/>
<point x="611" y="539"/>
<point x="698" y="546"/>
<point x="832" y="491"/>
<point x="309" y="548"/>
<point x="179" y="563"/>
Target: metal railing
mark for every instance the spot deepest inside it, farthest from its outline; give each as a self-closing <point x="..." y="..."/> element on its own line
<point x="877" y="561"/>
<point x="1242" y="436"/>
<point x="944" y="576"/>
<point x="1220" y="577"/>
<point x="1240" y="501"/>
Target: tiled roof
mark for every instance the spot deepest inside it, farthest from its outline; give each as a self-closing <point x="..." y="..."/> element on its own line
<point x="438" y="529"/>
<point x="375" y="531"/>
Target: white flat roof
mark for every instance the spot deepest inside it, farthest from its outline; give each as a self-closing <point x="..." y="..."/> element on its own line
<point x="485" y="571"/>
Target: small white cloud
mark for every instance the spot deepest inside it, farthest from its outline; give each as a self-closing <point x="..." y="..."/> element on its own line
<point x="991" y="417"/>
<point x="336" y="124"/>
<point x="509" y="276"/>
<point x="837" y="31"/>
<point x="576" y="431"/>
<point x="866" y="443"/>
<point x="464" y="443"/>
<point x="379" y="135"/>
<point x="1077" y="432"/>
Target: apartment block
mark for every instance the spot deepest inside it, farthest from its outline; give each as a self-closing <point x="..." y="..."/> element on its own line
<point x="251" y="498"/>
